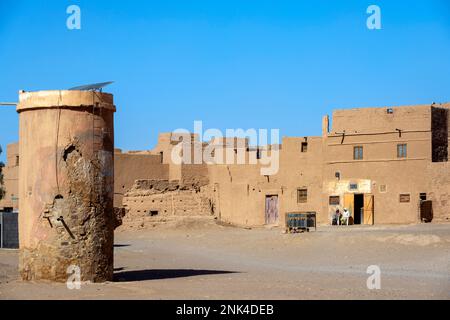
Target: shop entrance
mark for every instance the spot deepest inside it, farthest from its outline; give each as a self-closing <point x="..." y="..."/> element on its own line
<point x="361" y="207"/>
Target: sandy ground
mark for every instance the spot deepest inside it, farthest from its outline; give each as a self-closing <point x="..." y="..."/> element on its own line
<point x="193" y="260"/>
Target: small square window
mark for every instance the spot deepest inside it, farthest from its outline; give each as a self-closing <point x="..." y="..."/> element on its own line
<point x="404" y="198"/>
<point x="402" y="150"/>
<point x="383" y="188"/>
<point x="353" y="186"/>
<point x="358" y="153"/>
<point x="302" y="195"/>
<point x="334" y="200"/>
<point x="304" y="146"/>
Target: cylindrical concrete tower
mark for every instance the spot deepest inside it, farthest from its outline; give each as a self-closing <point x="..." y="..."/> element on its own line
<point x="66" y="185"/>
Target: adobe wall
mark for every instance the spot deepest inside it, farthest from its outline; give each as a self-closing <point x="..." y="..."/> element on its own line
<point x="11" y="177"/>
<point x="380" y="172"/>
<point x="301" y="170"/>
<point x="241" y="189"/>
<point x="166" y="142"/>
<point x="194" y="174"/>
<point x="439" y="182"/>
<point x="242" y="193"/>
<point x="134" y="168"/>
<point x="439" y="190"/>
<point x="129" y="167"/>
<point x="378" y="120"/>
<point x="238" y="192"/>
<point x="396" y="177"/>
<point x="153" y="201"/>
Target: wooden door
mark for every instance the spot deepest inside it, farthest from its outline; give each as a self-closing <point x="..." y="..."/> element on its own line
<point x="349" y="203"/>
<point x="271" y="209"/>
<point x="368" y="209"/>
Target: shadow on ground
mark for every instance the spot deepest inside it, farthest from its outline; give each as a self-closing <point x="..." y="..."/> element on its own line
<point x="143" y="275"/>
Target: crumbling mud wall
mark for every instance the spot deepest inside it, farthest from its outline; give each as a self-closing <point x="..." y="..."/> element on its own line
<point x="66" y="186"/>
<point x="129" y="167"/>
<point x="154" y="201"/>
<point x="439" y="190"/>
<point x="438" y="171"/>
<point x="439" y="134"/>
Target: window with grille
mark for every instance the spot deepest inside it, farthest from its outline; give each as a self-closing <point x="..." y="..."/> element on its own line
<point x="401" y="150"/>
<point x="302" y="195"/>
<point x="358" y="153"/>
<point x="353" y="186"/>
<point x="334" y="200"/>
<point x="404" y="198"/>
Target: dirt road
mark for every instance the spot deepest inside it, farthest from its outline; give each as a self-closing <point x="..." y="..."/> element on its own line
<point x="207" y="261"/>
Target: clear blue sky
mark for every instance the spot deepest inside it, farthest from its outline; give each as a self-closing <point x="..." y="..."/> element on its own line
<point x="231" y="64"/>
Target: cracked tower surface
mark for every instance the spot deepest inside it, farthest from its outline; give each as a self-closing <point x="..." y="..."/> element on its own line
<point x="66" y="184"/>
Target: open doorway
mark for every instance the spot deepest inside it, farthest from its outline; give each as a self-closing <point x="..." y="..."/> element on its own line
<point x="358" y="213"/>
<point x="361" y="207"/>
<point x="426" y="211"/>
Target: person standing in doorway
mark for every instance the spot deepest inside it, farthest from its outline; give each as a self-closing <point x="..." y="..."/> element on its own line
<point x="346" y="216"/>
<point x="337" y="216"/>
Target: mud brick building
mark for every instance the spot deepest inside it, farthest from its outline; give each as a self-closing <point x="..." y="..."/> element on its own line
<point x="387" y="165"/>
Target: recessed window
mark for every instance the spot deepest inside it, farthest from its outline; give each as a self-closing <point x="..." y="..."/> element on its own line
<point x="353" y="186"/>
<point x="401" y="150"/>
<point x="334" y="200"/>
<point x="258" y="153"/>
<point x="423" y="196"/>
<point x="302" y="195"/>
<point x="304" y="146"/>
<point x="358" y="153"/>
<point x="17" y="161"/>
<point x="383" y="188"/>
<point x="404" y="198"/>
<point x="153" y="213"/>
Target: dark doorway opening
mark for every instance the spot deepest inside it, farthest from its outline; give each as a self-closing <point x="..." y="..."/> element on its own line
<point x="426" y="211"/>
<point x="359" y="206"/>
<point x="154" y="213"/>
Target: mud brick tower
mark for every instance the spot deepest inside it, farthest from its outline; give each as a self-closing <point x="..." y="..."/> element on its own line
<point x="66" y="184"/>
